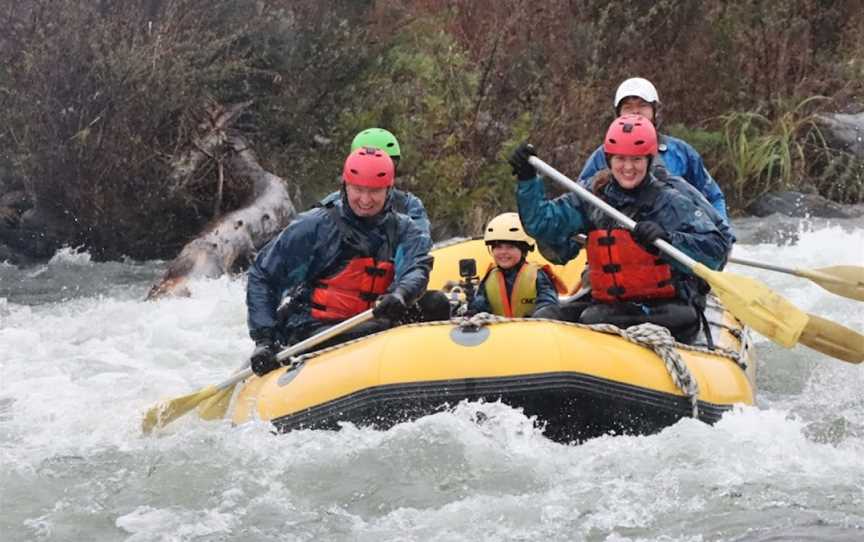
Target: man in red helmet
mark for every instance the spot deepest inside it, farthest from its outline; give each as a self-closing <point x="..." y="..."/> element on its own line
<point x="338" y="261"/>
<point x="631" y="282"/>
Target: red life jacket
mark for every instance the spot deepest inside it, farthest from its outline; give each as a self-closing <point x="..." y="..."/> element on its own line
<point x="621" y="270"/>
<point x="352" y="290"/>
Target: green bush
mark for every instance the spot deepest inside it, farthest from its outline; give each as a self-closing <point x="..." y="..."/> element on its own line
<point x="425" y="90"/>
<point x="767" y="153"/>
<point x="99" y="98"/>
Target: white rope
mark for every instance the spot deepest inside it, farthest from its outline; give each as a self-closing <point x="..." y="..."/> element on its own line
<point x="658" y="339"/>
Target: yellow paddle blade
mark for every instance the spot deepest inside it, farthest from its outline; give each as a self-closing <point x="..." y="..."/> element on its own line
<point x="843" y="280"/>
<point x="215" y="407"/>
<point x="756" y="305"/>
<point x="833" y="339"/>
<point x="166" y="412"/>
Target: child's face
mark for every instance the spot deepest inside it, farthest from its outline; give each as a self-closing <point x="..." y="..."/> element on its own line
<point x="506" y="255"/>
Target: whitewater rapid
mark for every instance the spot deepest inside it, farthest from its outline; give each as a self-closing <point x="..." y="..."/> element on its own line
<point x="82" y="356"/>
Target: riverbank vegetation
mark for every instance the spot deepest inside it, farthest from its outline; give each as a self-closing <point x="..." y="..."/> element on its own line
<point x="98" y="99"/>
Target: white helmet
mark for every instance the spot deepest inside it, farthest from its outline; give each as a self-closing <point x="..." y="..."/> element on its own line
<point x="639" y="87"/>
<point x="507" y="227"/>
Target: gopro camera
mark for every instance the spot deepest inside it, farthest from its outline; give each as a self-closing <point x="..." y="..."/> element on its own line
<point x="468" y="268"/>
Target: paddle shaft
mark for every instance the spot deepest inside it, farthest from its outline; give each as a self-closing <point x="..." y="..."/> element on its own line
<point x="767" y="266"/>
<point x="833" y="279"/>
<point x="586" y="194"/>
<point x="304" y="345"/>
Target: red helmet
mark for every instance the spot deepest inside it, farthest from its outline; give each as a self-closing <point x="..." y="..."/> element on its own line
<point x="631" y="135"/>
<point x="369" y="167"/>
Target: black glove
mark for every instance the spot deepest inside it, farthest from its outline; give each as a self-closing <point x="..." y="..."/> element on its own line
<point x="646" y="232"/>
<point x="391" y="306"/>
<point x="263" y="358"/>
<point x="522" y="168"/>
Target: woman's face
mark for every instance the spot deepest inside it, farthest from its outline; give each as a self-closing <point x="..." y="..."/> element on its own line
<point x="629" y="171"/>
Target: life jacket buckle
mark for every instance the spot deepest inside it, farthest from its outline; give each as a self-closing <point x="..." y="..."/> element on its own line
<point x="375" y="271"/>
<point x="369" y="297"/>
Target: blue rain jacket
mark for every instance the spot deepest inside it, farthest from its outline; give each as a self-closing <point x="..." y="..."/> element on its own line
<point x="680" y="159"/>
<point x="311" y="248"/>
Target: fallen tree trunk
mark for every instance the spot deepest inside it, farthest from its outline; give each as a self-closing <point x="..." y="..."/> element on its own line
<point x="228" y="244"/>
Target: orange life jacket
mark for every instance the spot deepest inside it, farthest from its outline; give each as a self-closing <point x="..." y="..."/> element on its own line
<point x="352" y="290"/>
<point x="368" y="273"/>
<point x="620" y="269"/>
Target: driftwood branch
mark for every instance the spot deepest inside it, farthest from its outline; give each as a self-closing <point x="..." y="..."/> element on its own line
<point x="229" y="243"/>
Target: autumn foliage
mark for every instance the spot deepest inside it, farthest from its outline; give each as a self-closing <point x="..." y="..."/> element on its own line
<point x="97" y="97"/>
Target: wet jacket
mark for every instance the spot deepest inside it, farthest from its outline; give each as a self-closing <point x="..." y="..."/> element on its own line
<point x="689" y="219"/>
<point x="681" y="160"/>
<point x="544" y="292"/>
<point x="401" y="202"/>
<point x="311" y="248"/>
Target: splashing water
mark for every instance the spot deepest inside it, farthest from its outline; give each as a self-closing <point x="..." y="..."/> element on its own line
<point x="82" y="357"/>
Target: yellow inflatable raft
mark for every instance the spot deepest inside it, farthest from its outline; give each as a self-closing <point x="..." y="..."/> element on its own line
<point x="579" y="382"/>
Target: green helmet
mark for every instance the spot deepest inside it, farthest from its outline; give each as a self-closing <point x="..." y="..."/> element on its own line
<point x="378" y="138"/>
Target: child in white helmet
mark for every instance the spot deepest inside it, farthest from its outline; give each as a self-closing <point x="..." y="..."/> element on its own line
<point x="513" y="287"/>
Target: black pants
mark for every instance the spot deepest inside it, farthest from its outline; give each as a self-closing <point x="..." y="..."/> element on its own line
<point x="679" y="317"/>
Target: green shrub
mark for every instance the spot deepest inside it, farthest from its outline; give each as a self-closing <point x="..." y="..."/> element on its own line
<point x="426" y="91"/>
<point x="101" y="96"/>
<point x="774" y="151"/>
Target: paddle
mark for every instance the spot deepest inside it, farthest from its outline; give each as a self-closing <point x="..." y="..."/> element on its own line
<point x="843" y="280"/>
<point x="750" y="301"/>
<point x="166" y="412"/>
<point x="215" y="407"/>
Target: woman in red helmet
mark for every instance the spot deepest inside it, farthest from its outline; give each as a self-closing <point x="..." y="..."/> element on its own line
<point x="338" y="260"/>
<point x="631" y="283"/>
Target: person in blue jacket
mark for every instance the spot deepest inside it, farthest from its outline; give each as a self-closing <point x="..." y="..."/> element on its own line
<point x="401" y="201"/>
<point x="513" y="287"/>
<point x="338" y="261"/>
<point x="631" y="282"/>
<point x="637" y="96"/>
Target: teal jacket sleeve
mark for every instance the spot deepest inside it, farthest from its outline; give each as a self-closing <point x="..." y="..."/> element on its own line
<point x="691" y="229"/>
<point x="552" y="223"/>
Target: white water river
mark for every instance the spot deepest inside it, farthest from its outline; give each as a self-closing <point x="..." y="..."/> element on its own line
<point x="82" y="357"/>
